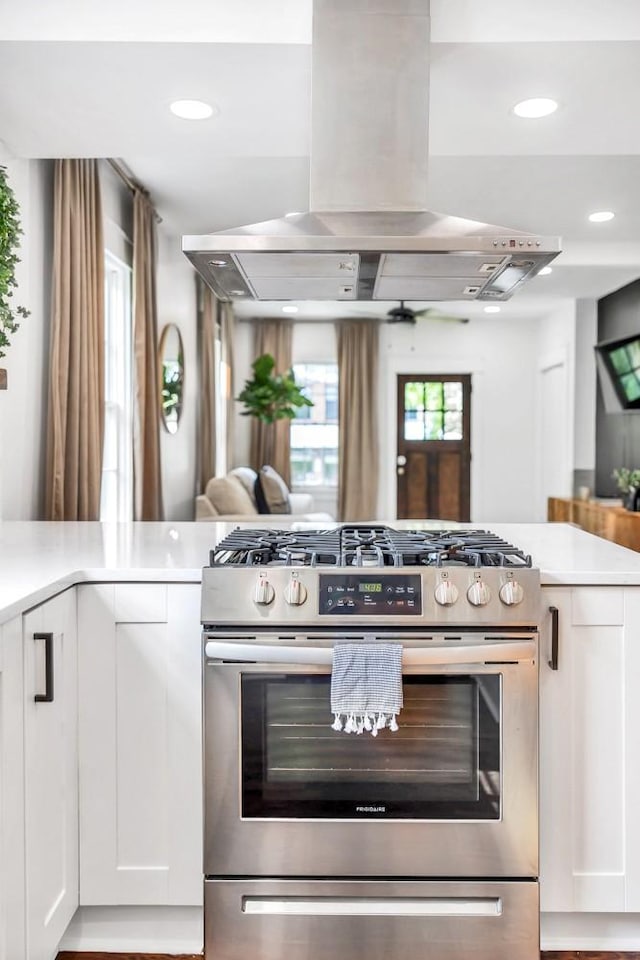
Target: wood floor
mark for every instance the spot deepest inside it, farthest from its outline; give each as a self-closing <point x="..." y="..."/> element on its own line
<point x="549" y="955"/>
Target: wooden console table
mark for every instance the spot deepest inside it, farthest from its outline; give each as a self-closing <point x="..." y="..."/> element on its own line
<point x="611" y="522"/>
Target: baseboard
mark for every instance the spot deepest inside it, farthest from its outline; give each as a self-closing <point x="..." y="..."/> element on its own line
<point x="610" y="934"/>
<point x="144" y="930"/>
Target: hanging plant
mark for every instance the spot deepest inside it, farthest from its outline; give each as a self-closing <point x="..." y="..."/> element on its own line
<point x="10" y="232"/>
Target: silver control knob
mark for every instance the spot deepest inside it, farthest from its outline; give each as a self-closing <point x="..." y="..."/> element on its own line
<point x="295" y="593"/>
<point x="264" y="592"/>
<point x="511" y="593"/>
<point x="446" y="593"/>
<point x="478" y="593"/>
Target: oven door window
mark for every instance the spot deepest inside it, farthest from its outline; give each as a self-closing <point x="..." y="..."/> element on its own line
<point x="443" y="763"/>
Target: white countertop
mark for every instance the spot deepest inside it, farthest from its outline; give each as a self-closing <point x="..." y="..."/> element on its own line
<point x="38" y="560"/>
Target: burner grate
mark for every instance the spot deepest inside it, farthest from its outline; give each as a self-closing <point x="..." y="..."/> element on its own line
<point x="366" y="546"/>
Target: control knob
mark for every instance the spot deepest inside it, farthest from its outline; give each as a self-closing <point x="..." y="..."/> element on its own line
<point x="478" y="593"/>
<point x="295" y="593"/>
<point x="264" y="592"/>
<point x="446" y="593"/>
<point x="511" y="593"/>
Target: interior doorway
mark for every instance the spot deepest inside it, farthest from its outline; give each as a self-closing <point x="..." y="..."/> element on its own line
<point x="433" y="459"/>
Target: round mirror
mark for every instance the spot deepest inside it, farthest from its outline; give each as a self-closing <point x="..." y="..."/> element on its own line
<point x="171" y="376"/>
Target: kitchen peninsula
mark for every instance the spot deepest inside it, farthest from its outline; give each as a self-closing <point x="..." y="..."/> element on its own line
<point x="110" y="819"/>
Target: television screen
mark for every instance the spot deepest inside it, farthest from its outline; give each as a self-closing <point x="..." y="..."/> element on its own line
<point x="622" y="363"/>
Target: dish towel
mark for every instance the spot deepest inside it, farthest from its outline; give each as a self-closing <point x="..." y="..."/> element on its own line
<point x="366" y="686"/>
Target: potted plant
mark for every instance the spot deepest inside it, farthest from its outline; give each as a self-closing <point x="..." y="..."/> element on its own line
<point x="9" y="242"/>
<point x="271" y="397"/>
<point x="629" y="485"/>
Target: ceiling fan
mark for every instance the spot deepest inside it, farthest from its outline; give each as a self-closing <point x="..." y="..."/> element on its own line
<point x="404" y="314"/>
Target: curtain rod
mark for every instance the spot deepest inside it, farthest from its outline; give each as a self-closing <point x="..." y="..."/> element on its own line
<point x="128" y="181"/>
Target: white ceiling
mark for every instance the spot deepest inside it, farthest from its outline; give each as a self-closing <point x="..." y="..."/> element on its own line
<point x="82" y="78"/>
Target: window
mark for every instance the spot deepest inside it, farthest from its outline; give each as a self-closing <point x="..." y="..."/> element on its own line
<point x="116" y="495"/>
<point x="314" y="432"/>
<point x="433" y="410"/>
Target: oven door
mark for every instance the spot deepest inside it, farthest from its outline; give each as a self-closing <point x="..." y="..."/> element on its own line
<point x="453" y="793"/>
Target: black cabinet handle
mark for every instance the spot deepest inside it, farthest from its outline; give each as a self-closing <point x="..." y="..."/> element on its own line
<point x="555" y="627"/>
<point x="47" y="696"/>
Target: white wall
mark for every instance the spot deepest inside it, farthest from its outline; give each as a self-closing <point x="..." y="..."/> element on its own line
<point x="554" y="434"/>
<point x="586" y="337"/>
<point x="500" y="356"/>
<point x="177" y="304"/>
<point x="23" y="405"/>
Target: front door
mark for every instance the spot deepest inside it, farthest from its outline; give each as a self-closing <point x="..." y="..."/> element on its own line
<point x="433" y="455"/>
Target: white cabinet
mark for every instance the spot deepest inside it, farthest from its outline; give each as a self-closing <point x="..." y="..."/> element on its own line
<point x="140" y="744"/>
<point x="589" y="758"/>
<point x="39" y="783"/>
<point x="51" y="772"/>
<point x="12" y="848"/>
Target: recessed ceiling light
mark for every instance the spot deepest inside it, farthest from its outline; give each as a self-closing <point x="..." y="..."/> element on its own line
<point x="191" y="109"/>
<point x="492" y="309"/>
<point x="290" y="309"/>
<point x="535" y="108"/>
<point x="544" y="272"/>
<point x="601" y="216"/>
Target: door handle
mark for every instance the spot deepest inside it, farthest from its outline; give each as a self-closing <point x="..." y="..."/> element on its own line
<point x="401" y="460"/>
<point x="401" y="471"/>
<point x="47" y="696"/>
<point x="555" y="630"/>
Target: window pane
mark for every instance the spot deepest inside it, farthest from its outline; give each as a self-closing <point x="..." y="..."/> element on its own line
<point x="414" y="396"/>
<point x="620" y="360"/>
<point x="631" y="386"/>
<point x="414" y="425"/>
<point x="434" y="395"/>
<point x="314" y="430"/>
<point x="633" y="350"/>
<point x="434" y="425"/>
<point x="453" y="396"/>
<point x="453" y="425"/>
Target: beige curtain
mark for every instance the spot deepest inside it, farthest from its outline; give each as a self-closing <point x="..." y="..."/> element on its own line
<point x="76" y="350"/>
<point x="270" y="443"/>
<point x="146" y="434"/>
<point x="357" y="414"/>
<point x="227" y="337"/>
<point x="207" y="334"/>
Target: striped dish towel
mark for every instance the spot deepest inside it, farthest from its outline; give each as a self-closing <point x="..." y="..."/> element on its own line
<point x="366" y="686"/>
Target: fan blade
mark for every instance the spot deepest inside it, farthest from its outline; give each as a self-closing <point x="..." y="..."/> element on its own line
<point x="430" y="313"/>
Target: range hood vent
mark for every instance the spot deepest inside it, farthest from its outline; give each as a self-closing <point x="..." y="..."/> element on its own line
<point x="369" y="236"/>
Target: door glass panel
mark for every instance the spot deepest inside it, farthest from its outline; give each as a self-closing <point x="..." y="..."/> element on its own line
<point x="443" y="763"/>
<point x="453" y="395"/>
<point x="414" y="425"/>
<point x="453" y="425"/>
<point x="433" y="395"/>
<point x="414" y="396"/>
<point x="434" y="425"/>
<point x="433" y="410"/>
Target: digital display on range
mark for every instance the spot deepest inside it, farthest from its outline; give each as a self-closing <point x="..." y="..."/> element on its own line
<point x="355" y="595"/>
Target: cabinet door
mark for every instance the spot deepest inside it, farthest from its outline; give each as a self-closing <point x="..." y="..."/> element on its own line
<point x="12" y="865"/>
<point x="584" y="835"/>
<point x="140" y="744"/>
<point x="51" y="775"/>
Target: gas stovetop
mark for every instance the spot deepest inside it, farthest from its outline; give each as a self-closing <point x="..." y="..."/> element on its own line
<point x="365" y="573"/>
<point x="367" y="546"/>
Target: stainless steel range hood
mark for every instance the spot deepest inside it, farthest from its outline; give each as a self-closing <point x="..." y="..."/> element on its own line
<point x="368" y="235"/>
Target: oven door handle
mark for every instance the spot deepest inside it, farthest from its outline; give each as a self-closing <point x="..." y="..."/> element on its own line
<point x="503" y="652"/>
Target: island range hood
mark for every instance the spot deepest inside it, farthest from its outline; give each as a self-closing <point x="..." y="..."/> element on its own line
<point x="368" y="235"/>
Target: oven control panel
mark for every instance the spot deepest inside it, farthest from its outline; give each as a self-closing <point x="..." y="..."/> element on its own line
<point x="371" y="594"/>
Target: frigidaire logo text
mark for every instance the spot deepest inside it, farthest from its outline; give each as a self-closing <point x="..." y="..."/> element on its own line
<point x="371" y="809"/>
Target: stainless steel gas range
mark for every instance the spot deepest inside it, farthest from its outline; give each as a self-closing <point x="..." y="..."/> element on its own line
<point x="326" y="846"/>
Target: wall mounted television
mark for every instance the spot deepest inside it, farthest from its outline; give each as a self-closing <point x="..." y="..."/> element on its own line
<point x="620" y="364"/>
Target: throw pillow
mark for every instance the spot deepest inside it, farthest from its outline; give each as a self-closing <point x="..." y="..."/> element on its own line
<point x="228" y="496"/>
<point x="247" y="478"/>
<point x="272" y="493"/>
